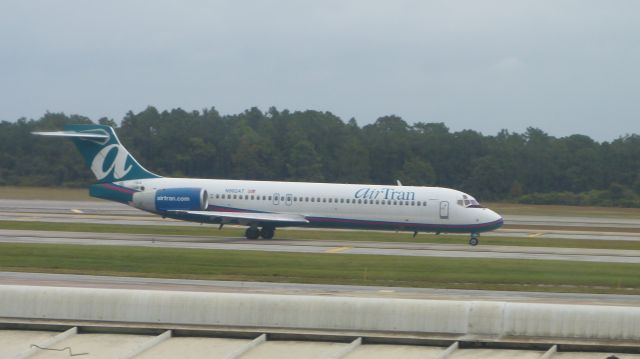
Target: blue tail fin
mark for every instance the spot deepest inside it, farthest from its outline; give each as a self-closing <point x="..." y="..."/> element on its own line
<point x="103" y="153"/>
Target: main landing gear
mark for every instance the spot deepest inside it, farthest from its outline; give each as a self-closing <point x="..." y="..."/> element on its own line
<point x="266" y="232"/>
<point x="473" y="241"/>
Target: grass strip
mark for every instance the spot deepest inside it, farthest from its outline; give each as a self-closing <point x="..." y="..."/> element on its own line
<point x="563" y="211"/>
<point x="211" y="231"/>
<point x="46" y="193"/>
<point x="462" y="273"/>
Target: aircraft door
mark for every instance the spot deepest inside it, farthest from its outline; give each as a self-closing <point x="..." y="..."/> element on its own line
<point x="276" y="198"/>
<point x="444" y="210"/>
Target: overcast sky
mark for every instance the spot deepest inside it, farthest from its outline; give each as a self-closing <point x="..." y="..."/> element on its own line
<point x="563" y="66"/>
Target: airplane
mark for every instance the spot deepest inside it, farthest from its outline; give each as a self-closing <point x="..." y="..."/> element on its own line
<point x="263" y="206"/>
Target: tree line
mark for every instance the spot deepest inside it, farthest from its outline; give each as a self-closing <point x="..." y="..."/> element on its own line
<point x="529" y="167"/>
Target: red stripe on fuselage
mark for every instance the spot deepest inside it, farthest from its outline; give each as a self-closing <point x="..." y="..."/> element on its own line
<point x="117" y="188"/>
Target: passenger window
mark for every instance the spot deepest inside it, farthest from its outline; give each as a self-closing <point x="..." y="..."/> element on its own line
<point x="313" y="199"/>
<point x="395" y="202"/>
<point x="359" y="201"/>
<point x="424" y="203"/>
<point x="217" y="195"/>
<point x="365" y="201"/>
<point x="324" y="200"/>
<point x="246" y="196"/>
<point x="418" y="203"/>
<point x="341" y="200"/>
<point x="269" y="198"/>
<point x="348" y="200"/>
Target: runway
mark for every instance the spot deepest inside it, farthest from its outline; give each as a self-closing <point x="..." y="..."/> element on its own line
<point x="90" y="281"/>
<point x="320" y="246"/>
<point x="106" y="212"/>
<point x="114" y="213"/>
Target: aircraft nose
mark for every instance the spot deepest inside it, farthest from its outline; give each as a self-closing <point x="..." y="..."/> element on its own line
<point x="497" y="219"/>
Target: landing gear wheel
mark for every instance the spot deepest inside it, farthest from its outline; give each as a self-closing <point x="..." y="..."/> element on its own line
<point x="267" y="232"/>
<point x="252" y="233"/>
<point x="474" y="241"/>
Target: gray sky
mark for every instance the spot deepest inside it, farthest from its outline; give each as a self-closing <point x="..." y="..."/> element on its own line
<point x="563" y="66"/>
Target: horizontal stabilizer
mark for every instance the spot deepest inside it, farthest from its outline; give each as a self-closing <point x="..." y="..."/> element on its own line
<point x="74" y="134"/>
<point x="248" y="217"/>
<point x="102" y="152"/>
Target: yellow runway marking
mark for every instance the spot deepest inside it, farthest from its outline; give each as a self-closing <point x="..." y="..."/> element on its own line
<point x="533" y="235"/>
<point x="337" y="249"/>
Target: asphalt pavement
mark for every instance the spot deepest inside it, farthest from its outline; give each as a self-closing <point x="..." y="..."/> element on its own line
<point x="322" y="246"/>
<point x="115" y="213"/>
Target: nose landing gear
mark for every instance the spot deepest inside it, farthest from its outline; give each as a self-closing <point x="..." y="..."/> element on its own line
<point x="473" y="241"/>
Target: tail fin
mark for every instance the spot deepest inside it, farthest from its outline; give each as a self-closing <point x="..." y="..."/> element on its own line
<point x="103" y="153"/>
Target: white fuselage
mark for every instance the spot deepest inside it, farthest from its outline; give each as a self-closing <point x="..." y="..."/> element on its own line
<point x="430" y="209"/>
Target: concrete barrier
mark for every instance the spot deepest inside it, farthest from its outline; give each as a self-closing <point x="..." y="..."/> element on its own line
<point x="496" y="319"/>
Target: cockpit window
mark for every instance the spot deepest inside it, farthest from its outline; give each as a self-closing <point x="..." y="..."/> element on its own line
<point x="468" y="202"/>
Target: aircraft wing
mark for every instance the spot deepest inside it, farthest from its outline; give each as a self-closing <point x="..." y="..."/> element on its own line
<point x="246" y="217"/>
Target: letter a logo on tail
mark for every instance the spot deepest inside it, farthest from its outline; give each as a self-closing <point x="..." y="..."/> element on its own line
<point x="108" y="159"/>
<point x="117" y="166"/>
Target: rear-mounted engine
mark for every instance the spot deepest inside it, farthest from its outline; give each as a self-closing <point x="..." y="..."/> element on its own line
<point x="172" y="199"/>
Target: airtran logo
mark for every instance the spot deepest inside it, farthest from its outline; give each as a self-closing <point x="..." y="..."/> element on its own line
<point x="117" y="167"/>
<point x="385" y="193"/>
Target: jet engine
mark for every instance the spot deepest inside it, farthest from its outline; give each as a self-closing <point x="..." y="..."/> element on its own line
<point x="172" y="199"/>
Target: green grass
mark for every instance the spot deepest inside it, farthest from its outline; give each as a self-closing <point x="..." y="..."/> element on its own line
<point x="212" y="231"/>
<point x="563" y="211"/>
<point x="487" y="274"/>
<point x="45" y="193"/>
